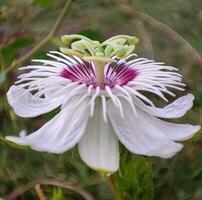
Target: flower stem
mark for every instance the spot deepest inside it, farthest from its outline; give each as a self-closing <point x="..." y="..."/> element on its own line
<point x="2" y="62"/>
<point x="42" y="42"/>
<point x="113" y="185"/>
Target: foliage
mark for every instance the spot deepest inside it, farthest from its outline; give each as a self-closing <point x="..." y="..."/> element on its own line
<point x="135" y="178"/>
<point x="57" y="194"/>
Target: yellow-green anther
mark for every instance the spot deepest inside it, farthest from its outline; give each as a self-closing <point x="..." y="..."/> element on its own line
<point x="89" y="46"/>
<point x="120" y="41"/>
<point x="96" y="43"/>
<point x="119" y="46"/>
<point x="127" y="37"/>
<point x="133" y="40"/>
<point x="129" y="50"/>
<point x="121" y="53"/>
<point x="67" y="39"/>
<point x="114" y="45"/>
<point x="108" y="50"/>
<point x="99" y="51"/>
<point x="70" y="52"/>
<point x="77" y="46"/>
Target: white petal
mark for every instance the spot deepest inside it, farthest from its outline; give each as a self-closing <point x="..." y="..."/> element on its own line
<point x="26" y="105"/>
<point x="174" y="110"/>
<point x="17" y="140"/>
<point x="61" y="133"/>
<point x="177" y="132"/>
<point x="99" y="147"/>
<point x="139" y="135"/>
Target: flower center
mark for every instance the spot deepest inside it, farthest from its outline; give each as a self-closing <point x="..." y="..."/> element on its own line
<point x="100" y="73"/>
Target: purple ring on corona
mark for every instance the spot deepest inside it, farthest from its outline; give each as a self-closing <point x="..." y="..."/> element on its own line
<point x="115" y="73"/>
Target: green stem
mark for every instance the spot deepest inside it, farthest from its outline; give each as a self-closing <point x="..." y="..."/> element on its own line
<point x="42" y="42"/>
<point x="113" y="185"/>
<point x="2" y="63"/>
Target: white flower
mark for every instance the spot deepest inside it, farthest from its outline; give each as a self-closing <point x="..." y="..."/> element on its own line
<point x="101" y="105"/>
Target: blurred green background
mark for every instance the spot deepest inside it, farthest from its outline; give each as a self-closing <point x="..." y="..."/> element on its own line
<point x="169" y="31"/>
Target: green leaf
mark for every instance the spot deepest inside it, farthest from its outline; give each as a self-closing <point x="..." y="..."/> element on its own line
<point x="3" y="102"/>
<point x="198" y="97"/>
<point x="44" y="3"/>
<point x="136" y="179"/>
<point x="9" y="52"/>
<point x="57" y="194"/>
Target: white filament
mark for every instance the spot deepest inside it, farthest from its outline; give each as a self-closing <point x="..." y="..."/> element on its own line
<point x="154" y="77"/>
